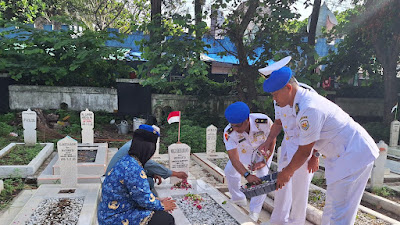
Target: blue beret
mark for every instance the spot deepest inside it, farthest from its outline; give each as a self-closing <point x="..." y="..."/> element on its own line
<point x="278" y="79"/>
<point x="237" y="112"/>
<point x="149" y="129"/>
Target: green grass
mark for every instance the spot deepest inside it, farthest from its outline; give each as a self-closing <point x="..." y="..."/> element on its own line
<point x="20" y="155"/>
<point x="384" y="192"/>
<point x="12" y="187"/>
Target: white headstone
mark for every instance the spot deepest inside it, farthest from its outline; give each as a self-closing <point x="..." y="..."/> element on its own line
<point x="179" y="159"/>
<point x="1" y="185"/>
<point x="29" y="125"/>
<point x="68" y="157"/>
<point x="158" y="141"/>
<point x="378" y="172"/>
<point x="87" y="124"/>
<point x="394" y="133"/>
<point x="211" y="140"/>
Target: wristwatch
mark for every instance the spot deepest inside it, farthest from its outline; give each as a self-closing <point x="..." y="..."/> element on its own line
<point x="246" y="174"/>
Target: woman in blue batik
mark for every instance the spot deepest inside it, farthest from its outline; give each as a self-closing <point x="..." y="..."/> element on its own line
<point x="126" y="196"/>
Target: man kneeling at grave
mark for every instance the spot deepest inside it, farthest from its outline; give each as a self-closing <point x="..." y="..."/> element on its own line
<point x="153" y="169"/>
<point x="242" y="136"/>
<point x="126" y="195"/>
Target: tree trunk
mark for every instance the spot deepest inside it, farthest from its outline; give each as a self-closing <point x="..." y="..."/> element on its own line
<point x="312" y="32"/>
<point x="391" y="89"/>
<point x="155" y="15"/>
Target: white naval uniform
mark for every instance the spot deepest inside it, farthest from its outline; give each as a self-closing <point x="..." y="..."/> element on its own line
<point x="290" y="202"/>
<point x="349" y="150"/>
<point x="246" y="143"/>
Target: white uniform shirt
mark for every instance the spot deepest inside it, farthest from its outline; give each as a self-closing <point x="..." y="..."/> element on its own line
<point x="246" y="143"/>
<point x="346" y="145"/>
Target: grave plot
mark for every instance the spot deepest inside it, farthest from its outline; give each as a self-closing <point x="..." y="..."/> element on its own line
<point x="28" y="169"/>
<point x="202" y="204"/>
<point x="92" y="163"/>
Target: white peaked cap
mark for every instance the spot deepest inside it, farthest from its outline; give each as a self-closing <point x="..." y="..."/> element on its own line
<point x="275" y="66"/>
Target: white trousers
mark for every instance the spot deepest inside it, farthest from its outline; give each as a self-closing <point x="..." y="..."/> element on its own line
<point x="344" y="196"/>
<point x="234" y="181"/>
<point x="290" y="202"/>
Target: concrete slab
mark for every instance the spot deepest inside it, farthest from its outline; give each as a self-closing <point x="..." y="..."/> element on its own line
<point x="1" y="185"/>
<point x="394" y="151"/>
<point x="7" y="215"/>
<point x="90" y="192"/>
<point x="203" y="160"/>
<point x="199" y="187"/>
<point x="25" y="170"/>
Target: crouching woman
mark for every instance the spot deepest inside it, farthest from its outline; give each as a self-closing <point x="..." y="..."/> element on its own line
<point x="126" y="196"/>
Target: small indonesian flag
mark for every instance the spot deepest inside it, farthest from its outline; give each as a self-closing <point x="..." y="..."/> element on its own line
<point x="174" y="117"/>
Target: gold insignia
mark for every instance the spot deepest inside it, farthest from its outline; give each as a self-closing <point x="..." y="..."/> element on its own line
<point x="297" y="108"/>
<point x="243" y="151"/>
<point x="152" y="198"/>
<point x="110" y="171"/>
<point x="143" y="174"/>
<point x="303" y="117"/>
<point x="261" y="121"/>
<point x="113" y="205"/>
<point x="304" y="124"/>
<point x="121" y="181"/>
<point x="258" y="134"/>
<point x="284" y="115"/>
<point x="125" y="222"/>
<point x="230" y="130"/>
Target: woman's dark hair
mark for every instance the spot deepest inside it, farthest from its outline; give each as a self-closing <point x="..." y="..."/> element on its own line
<point x="143" y="145"/>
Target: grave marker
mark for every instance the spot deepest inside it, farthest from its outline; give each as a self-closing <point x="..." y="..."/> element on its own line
<point x="68" y="159"/>
<point x="378" y="172"/>
<point x="1" y="185"/>
<point x="394" y="133"/>
<point x="179" y="159"/>
<point x="211" y="140"/>
<point x="29" y="125"/>
<point x="87" y="124"/>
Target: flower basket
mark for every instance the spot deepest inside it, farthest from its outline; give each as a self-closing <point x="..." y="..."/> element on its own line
<point x="268" y="184"/>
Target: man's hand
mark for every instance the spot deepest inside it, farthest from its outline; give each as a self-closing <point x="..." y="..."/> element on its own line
<point x="157" y="179"/>
<point x="267" y="148"/>
<point x="283" y="178"/>
<point x="257" y="166"/>
<point x="313" y="164"/>
<point x="169" y="204"/>
<point x="180" y="175"/>
<point x="253" y="179"/>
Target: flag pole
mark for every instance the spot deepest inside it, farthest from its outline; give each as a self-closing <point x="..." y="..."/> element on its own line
<point x="179" y="127"/>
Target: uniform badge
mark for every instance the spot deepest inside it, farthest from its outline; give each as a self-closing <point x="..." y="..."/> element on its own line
<point x="241" y="140"/>
<point x="226" y="136"/>
<point x="258" y="134"/>
<point x="304" y="124"/>
<point x="243" y="151"/>
<point x="303" y="117"/>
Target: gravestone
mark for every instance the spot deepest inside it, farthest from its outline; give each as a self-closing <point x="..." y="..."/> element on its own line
<point x="378" y="172"/>
<point x="1" y="185"/>
<point x="158" y="141"/>
<point x="68" y="159"/>
<point x="394" y="133"/>
<point x="179" y="159"/>
<point x="29" y="125"/>
<point x="87" y="124"/>
<point x="211" y="140"/>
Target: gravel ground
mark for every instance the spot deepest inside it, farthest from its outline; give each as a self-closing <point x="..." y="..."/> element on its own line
<point x="60" y="211"/>
<point x="209" y="214"/>
<point x="317" y="199"/>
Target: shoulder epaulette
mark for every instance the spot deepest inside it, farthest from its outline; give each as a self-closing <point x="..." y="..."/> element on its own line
<point x="230" y="130"/>
<point x="261" y="120"/>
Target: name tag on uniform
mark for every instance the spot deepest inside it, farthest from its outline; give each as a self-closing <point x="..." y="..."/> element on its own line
<point x="241" y="140"/>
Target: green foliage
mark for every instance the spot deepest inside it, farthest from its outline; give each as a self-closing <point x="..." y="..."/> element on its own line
<point x="5" y="129"/>
<point x="384" y="192"/>
<point x="378" y="131"/>
<point x="374" y="90"/>
<point x="11" y="188"/>
<point x="320" y="182"/>
<point x="7" y="118"/>
<point x="74" y="116"/>
<point x="25" y="11"/>
<point x="63" y="58"/>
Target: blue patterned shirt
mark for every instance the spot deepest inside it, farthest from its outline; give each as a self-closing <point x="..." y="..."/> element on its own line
<point x="126" y="196"/>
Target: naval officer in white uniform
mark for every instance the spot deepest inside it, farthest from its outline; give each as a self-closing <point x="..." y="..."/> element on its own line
<point x="290" y="202"/>
<point x="242" y="136"/>
<point x="349" y="150"/>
